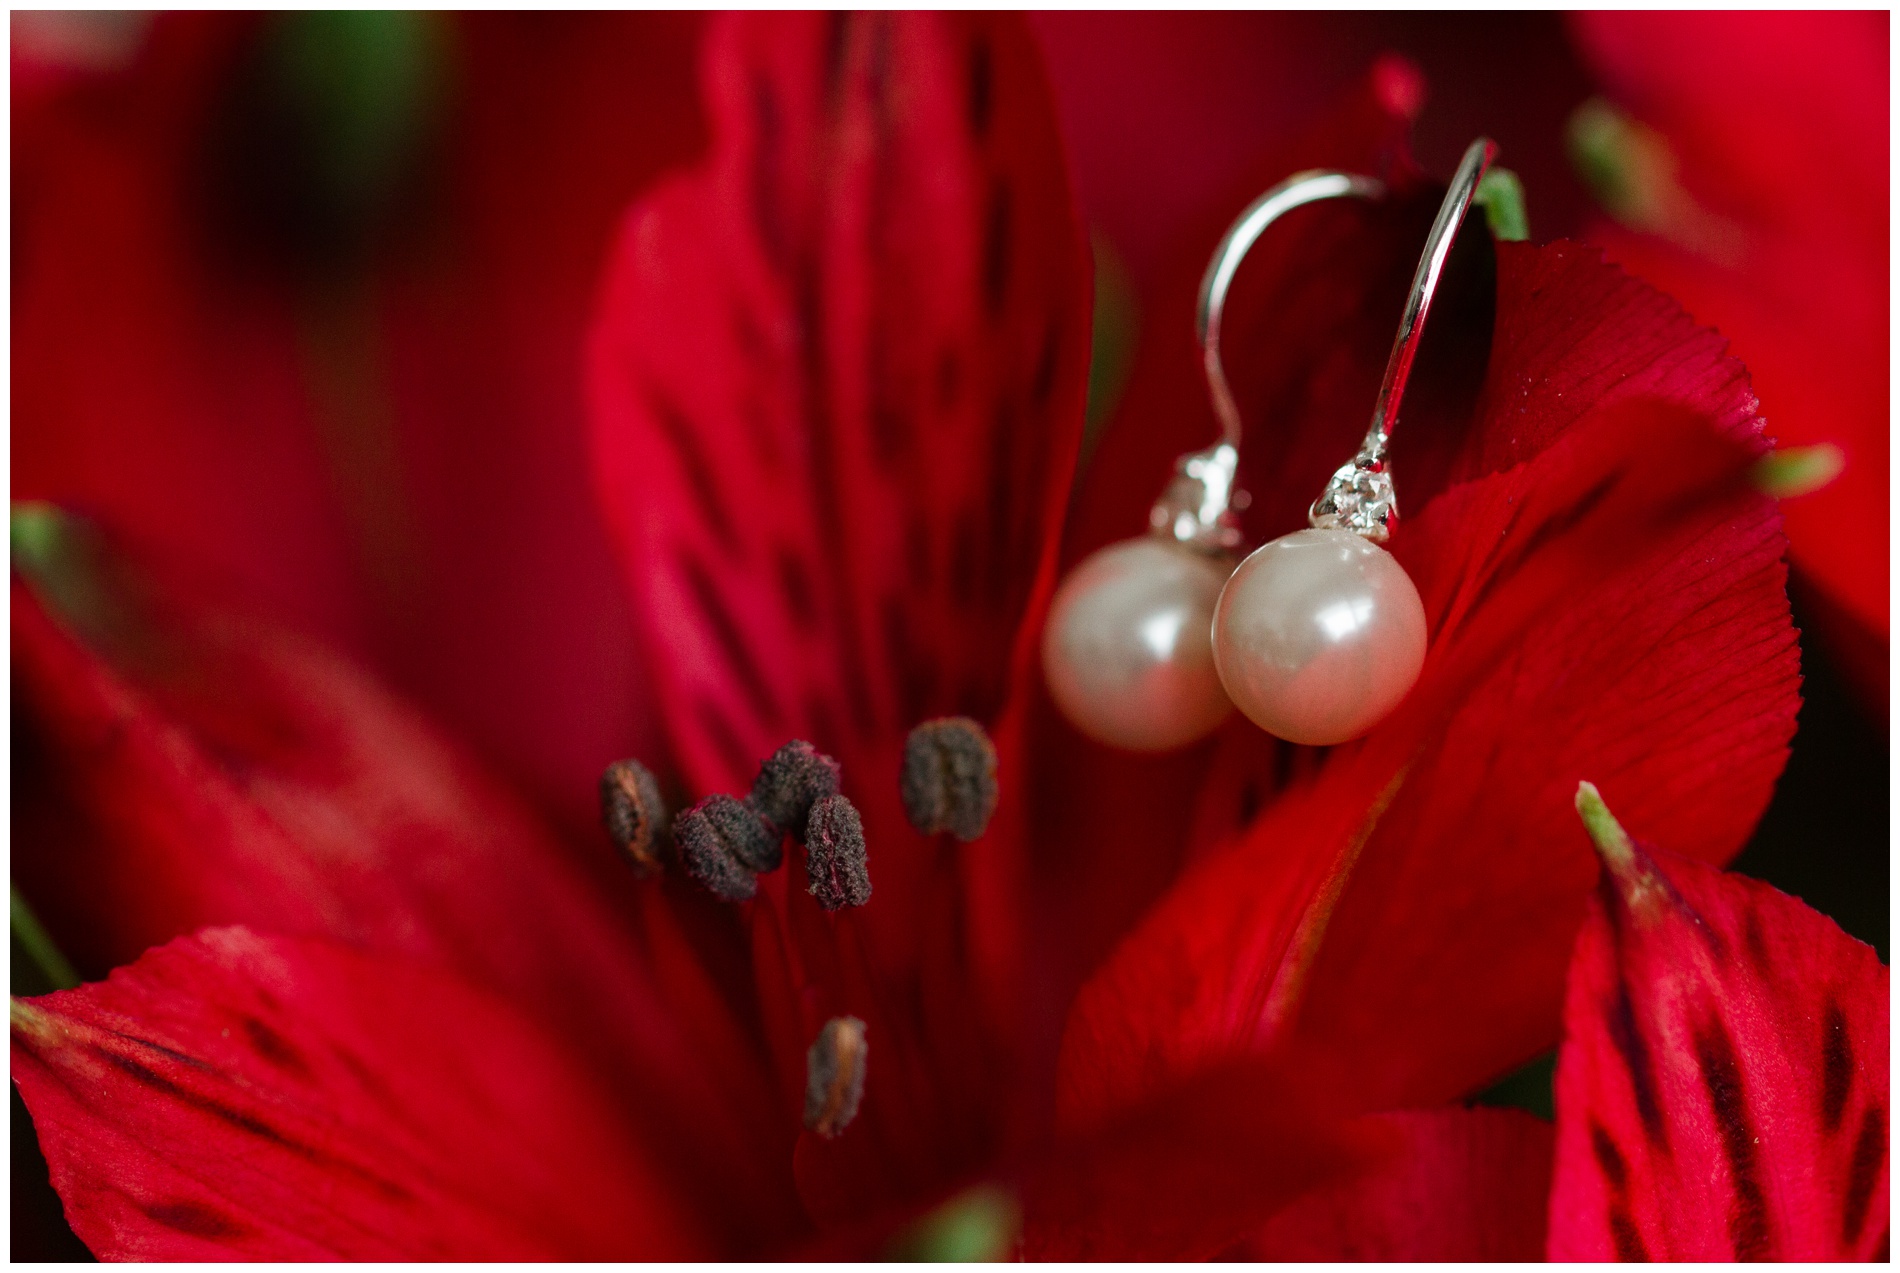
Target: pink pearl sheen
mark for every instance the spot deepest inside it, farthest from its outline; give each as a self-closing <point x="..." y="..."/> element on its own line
<point x="1127" y="651"/>
<point x="1318" y="635"/>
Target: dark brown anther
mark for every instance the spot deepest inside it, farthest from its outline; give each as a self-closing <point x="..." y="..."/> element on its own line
<point x="835" y="855"/>
<point x="795" y="777"/>
<point x="753" y="842"/>
<point x="634" y="814"/>
<point x="949" y="780"/>
<point x="724" y="844"/>
<point x="834" y="1076"/>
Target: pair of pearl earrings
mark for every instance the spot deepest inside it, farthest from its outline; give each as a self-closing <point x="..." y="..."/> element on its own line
<point x="1317" y="635"/>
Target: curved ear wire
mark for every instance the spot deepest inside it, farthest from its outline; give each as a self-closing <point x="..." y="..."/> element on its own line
<point x="1296" y="191"/>
<point x="1360" y="497"/>
<point x="1196" y="509"/>
<point x="1451" y="215"/>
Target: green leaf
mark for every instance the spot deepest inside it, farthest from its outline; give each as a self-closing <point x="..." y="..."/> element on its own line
<point x="1501" y="195"/>
<point x="73" y="570"/>
<point x="370" y="83"/>
<point x="979" y="1224"/>
<point x="1626" y="165"/>
<point x="59" y="555"/>
<point x="1798" y="470"/>
<point x="38" y="965"/>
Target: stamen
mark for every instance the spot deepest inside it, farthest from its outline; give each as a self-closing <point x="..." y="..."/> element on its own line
<point x="795" y="777"/>
<point x="835" y="854"/>
<point x="834" y="1076"/>
<point x="949" y="781"/>
<point x="724" y="844"/>
<point x="635" y="814"/>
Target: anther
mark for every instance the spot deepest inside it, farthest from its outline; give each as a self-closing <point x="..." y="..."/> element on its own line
<point x="794" y="778"/>
<point x="835" y="854"/>
<point x="724" y="844"/>
<point x="949" y="780"/>
<point x="834" y="1076"/>
<point x="634" y="814"/>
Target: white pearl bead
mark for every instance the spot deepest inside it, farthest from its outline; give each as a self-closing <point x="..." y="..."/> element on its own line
<point x="1126" y="651"/>
<point x="1318" y="635"/>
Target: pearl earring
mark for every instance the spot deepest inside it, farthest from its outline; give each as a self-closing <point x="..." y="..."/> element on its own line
<point x="1320" y="633"/>
<point x="1128" y="652"/>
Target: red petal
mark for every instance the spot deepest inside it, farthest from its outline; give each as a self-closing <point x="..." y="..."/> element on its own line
<point x="233" y="1095"/>
<point x="1184" y="1176"/>
<point x="1465" y="1184"/>
<point x="220" y="770"/>
<point x="1676" y="672"/>
<point x="1722" y="1087"/>
<point x="837" y="385"/>
<point x="1613" y="601"/>
<point x="393" y="458"/>
<point x="1752" y="105"/>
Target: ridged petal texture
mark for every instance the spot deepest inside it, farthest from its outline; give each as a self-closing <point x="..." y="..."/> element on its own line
<point x="1603" y="588"/>
<point x="837" y="384"/>
<point x="1722" y="1087"/>
<point x="232" y="1095"/>
<point x="184" y="764"/>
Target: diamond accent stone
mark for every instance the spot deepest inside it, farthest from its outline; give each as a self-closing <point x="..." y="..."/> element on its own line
<point x="1359" y="499"/>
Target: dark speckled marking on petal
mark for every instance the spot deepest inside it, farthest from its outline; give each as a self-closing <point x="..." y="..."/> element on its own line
<point x="195" y="1219"/>
<point x="982" y="88"/>
<point x="1722" y="1077"/>
<point x="1870" y="1155"/>
<point x="1837" y="1066"/>
<point x="275" y="1048"/>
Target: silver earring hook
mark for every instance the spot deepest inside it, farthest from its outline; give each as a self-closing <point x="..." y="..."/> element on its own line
<point x="1296" y="191"/>
<point x="1360" y="497"/>
<point x="1197" y="507"/>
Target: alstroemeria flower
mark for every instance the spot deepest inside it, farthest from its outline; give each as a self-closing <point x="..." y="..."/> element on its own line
<point x="319" y="334"/>
<point x="1752" y="184"/>
<point x="1722" y="1091"/>
<point x="837" y="385"/>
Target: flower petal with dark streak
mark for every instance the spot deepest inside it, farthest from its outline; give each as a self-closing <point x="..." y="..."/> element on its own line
<point x="837" y="384"/>
<point x="837" y="381"/>
<point x="1615" y="600"/>
<point x="240" y="1096"/>
<point x="179" y="763"/>
<point x="1722" y="1087"/>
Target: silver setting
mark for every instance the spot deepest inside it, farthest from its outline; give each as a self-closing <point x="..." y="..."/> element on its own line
<point x="1197" y="508"/>
<point x="1360" y="497"/>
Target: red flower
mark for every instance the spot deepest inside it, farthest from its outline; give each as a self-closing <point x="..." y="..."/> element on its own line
<point x="837" y="388"/>
<point x="370" y="420"/>
<point x="1755" y="190"/>
<point x="1722" y="1090"/>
